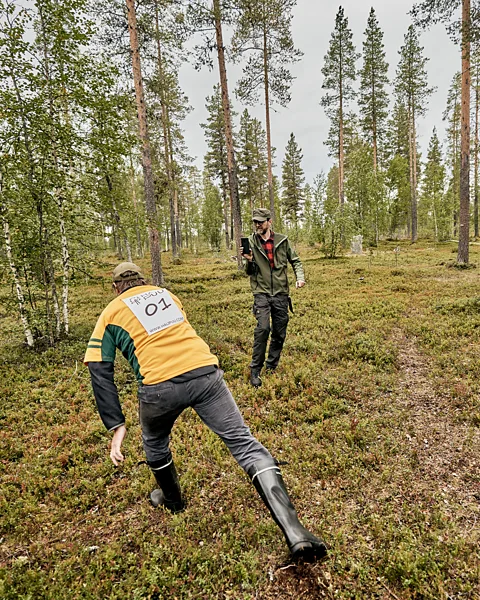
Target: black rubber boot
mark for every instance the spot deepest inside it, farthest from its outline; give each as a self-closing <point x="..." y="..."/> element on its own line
<point x="267" y="479"/>
<point x="255" y="379"/>
<point x="169" y="494"/>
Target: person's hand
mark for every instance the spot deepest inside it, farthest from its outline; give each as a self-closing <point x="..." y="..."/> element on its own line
<point x="115" y="452"/>
<point x="299" y="284"/>
<point x="249" y="257"/>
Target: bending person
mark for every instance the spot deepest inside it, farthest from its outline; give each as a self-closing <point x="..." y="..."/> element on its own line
<point x="175" y="369"/>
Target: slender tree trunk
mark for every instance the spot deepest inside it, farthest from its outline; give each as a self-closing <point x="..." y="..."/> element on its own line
<point x="435" y="224"/>
<point x="225" y="209"/>
<point x="157" y="274"/>
<point x="176" y="214"/>
<point x="129" y="249"/>
<point x="374" y="116"/>
<point x="464" y="214"/>
<point x="267" y="124"/>
<point x="18" y="287"/>
<point x="341" y="157"/>
<point x="60" y="201"/>
<point x="414" y="188"/>
<point x="456" y="183"/>
<point x="166" y="135"/>
<point x="475" y="158"/>
<point x="413" y="199"/>
<point x="66" y="269"/>
<point x="135" y="208"/>
<point x="232" y="167"/>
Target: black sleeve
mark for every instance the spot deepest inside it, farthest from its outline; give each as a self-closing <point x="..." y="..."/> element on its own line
<point x="106" y="394"/>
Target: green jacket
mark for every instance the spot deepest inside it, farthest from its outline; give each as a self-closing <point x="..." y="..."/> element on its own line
<point x="265" y="280"/>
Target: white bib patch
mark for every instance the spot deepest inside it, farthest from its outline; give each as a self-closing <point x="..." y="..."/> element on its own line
<point x="155" y="310"/>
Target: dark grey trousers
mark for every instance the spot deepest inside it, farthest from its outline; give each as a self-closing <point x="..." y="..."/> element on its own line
<point x="264" y="308"/>
<point x="209" y="396"/>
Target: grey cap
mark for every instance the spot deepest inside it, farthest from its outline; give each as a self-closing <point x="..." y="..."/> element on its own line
<point x="127" y="271"/>
<point x="261" y="214"/>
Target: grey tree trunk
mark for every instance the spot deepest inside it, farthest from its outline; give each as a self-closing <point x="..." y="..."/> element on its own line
<point x="151" y="209"/>
<point x="232" y="167"/>
<point x="464" y="213"/>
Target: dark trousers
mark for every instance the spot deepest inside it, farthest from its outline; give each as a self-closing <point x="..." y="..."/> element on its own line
<point x="210" y="398"/>
<point x="266" y="308"/>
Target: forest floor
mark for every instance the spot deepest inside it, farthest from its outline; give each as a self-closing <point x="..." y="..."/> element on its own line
<point x="375" y="411"/>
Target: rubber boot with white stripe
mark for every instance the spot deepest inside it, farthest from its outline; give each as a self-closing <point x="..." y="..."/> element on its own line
<point x="169" y="494"/>
<point x="267" y="479"/>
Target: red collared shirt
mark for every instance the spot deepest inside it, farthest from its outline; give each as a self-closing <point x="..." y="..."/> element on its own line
<point x="268" y="246"/>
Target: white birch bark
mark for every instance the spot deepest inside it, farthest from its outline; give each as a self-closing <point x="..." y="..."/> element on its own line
<point x="65" y="265"/>
<point x="20" y="297"/>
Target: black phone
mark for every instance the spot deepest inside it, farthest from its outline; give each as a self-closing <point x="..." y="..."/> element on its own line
<point x="245" y="245"/>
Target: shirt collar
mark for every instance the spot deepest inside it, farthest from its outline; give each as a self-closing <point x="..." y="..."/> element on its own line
<point x="272" y="235"/>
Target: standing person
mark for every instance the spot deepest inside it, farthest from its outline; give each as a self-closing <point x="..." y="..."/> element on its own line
<point x="175" y="370"/>
<point x="267" y="265"/>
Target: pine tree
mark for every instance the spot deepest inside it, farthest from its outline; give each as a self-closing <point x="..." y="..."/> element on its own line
<point x="373" y="98"/>
<point x="293" y="180"/>
<point x="209" y="19"/>
<point x="427" y="13"/>
<point x="411" y="88"/>
<point x="211" y="214"/>
<point x="340" y="73"/>
<point x="216" y="156"/>
<point x="452" y="116"/>
<point x="398" y="170"/>
<point x="252" y="165"/>
<point x="476" y="144"/>
<point x="263" y="31"/>
<point x="432" y="202"/>
<point x="157" y="273"/>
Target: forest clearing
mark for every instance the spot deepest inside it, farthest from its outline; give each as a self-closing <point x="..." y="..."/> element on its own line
<point x="374" y="411"/>
<point x="345" y="142"/>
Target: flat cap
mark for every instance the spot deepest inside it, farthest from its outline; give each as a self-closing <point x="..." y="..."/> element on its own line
<point x="261" y="214"/>
<point x="127" y="271"/>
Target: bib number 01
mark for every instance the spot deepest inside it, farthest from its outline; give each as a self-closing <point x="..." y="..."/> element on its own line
<point x="155" y="310"/>
<point x="151" y="309"/>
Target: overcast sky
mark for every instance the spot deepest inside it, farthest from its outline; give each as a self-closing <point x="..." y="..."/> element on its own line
<point x="313" y="23"/>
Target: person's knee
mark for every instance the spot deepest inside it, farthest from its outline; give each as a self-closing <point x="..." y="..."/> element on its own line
<point x="262" y="330"/>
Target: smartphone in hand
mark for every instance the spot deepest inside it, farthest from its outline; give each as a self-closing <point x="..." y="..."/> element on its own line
<point x="245" y="245"/>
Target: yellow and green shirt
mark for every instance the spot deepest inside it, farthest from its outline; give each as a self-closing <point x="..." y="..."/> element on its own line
<point x="150" y="328"/>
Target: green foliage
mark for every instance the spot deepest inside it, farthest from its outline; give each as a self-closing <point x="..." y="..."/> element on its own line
<point x="411" y="82"/>
<point x="252" y="165"/>
<point x="339" y="73"/>
<point x="373" y="97"/>
<point x="366" y="192"/>
<point x="435" y="214"/>
<point x="293" y="181"/>
<point x="263" y="32"/>
<point x="337" y="220"/>
<point x="212" y="214"/>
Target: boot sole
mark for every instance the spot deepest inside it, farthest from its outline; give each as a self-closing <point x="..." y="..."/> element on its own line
<point x="306" y="552"/>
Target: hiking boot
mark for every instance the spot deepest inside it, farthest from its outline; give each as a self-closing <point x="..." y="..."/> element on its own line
<point x="255" y="379"/>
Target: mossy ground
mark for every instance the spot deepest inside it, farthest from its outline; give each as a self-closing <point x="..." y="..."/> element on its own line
<point x="375" y="410"/>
